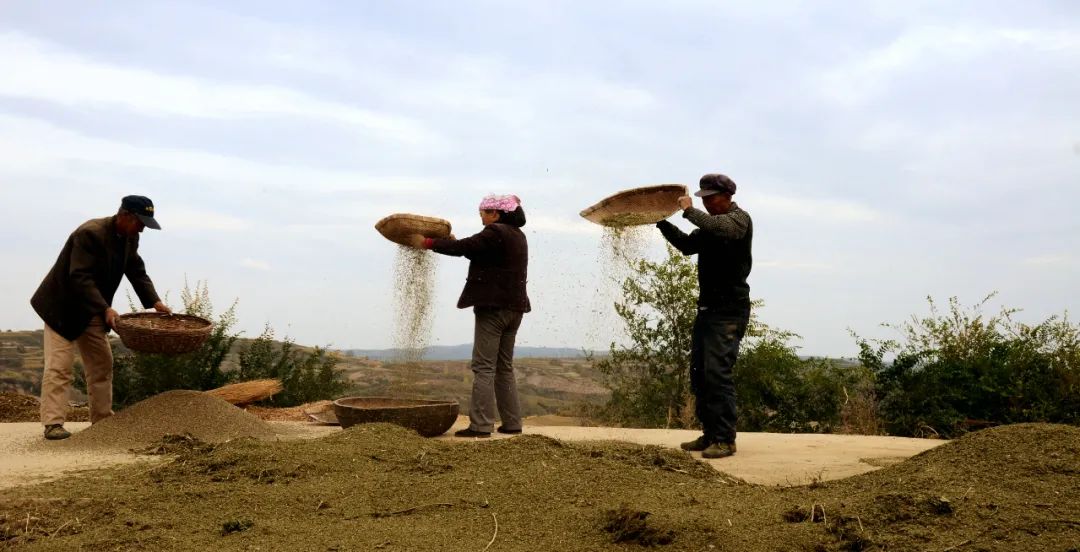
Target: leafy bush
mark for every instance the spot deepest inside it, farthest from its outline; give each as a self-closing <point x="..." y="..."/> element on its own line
<point x="962" y="370"/>
<point x="306" y="375"/>
<point x="781" y="392"/>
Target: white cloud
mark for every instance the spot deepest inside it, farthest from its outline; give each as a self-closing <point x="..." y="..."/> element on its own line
<point x="868" y="76"/>
<point x="1051" y="260"/>
<point x="798" y="266"/>
<point x="37" y="70"/>
<point x="190" y="220"/>
<point x="561" y="225"/>
<point x="255" y="264"/>
<point x="825" y="211"/>
<point x="30" y="146"/>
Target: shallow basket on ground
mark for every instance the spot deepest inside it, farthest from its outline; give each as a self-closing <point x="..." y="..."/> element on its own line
<point x="166" y="334"/>
<point x="637" y="206"/>
<point x="399" y="227"/>
<point x="429" y="418"/>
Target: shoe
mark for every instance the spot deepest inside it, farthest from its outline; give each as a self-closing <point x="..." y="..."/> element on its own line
<point x="719" y="450"/>
<point x="56" y="432"/>
<point x="502" y="429"/>
<point x="697" y="445"/>
<point x="468" y="432"/>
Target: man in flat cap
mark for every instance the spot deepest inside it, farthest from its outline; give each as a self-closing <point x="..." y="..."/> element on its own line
<point x="722" y="243"/>
<point x="75" y="301"/>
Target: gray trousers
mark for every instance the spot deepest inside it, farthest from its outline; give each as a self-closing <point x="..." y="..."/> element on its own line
<point x="494" y="385"/>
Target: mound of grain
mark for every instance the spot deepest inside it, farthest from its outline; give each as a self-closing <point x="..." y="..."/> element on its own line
<point x="16" y="407"/>
<point x="1005" y="488"/>
<point x="374" y="484"/>
<point x="202" y="416"/>
<point x="1013" y="451"/>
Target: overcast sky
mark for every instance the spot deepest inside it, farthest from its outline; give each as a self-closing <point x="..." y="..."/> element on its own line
<point x="887" y="151"/>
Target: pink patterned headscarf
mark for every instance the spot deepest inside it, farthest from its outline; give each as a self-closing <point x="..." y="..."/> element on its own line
<point x="505" y="203"/>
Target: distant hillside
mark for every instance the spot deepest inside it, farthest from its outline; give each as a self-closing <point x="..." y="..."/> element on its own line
<point x="464" y="352"/>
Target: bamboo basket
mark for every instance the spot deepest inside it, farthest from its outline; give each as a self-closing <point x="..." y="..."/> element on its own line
<point x="429" y="418"/>
<point x="399" y="227"/>
<point x="161" y="333"/>
<point x="247" y="392"/>
<point x="637" y="206"/>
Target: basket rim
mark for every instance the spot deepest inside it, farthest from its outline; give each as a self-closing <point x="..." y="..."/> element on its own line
<point x="410" y="216"/>
<point x="631" y="192"/>
<point x="135" y="315"/>
<point x="424" y="403"/>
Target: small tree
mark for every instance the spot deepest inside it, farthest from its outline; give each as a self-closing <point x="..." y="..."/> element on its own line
<point x="306" y="376"/>
<point x="649" y="380"/>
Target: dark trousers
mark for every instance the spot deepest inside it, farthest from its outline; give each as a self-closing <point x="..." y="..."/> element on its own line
<point x="713" y="352"/>
<point x="494" y="386"/>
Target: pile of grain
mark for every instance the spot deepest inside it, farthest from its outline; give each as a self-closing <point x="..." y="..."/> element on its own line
<point x="384" y="487"/>
<point x="414" y="294"/>
<point x="291" y="413"/>
<point x="16" y="407"/>
<point x="202" y="416"/>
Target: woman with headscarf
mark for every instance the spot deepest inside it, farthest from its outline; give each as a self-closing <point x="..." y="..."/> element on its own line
<point x="495" y="288"/>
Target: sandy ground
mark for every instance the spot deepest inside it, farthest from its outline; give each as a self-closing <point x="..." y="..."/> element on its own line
<point x="763" y="458"/>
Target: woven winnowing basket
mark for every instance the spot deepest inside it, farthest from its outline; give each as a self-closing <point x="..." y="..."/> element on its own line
<point x="400" y="227"/>
<point x="647" y="205"/>
<point x="429" y="418"/>
<point x="166" y="334"/>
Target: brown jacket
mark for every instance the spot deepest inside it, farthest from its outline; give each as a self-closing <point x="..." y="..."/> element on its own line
<point x="84" y="279"/>
<point x="499" y="267"/>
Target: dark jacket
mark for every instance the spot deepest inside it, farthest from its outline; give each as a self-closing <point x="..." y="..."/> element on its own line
<point x="84" y="279"/>
<point x="498" y="270"/>
<point x="722" y="244"/>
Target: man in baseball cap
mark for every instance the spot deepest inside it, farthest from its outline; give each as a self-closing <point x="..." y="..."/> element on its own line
<point x="75" y="302"/>
<point x="722" y="243"/>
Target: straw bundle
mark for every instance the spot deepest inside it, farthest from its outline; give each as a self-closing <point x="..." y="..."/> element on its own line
<point x="248" y="392"/>
<point x="637" y="206"/>
<point x="400" y="227"/>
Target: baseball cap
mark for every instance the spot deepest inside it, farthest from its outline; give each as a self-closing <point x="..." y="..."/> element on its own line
<point x="141" y="207"/>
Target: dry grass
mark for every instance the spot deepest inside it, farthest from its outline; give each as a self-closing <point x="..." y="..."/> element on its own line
<point x="248" y="392"/>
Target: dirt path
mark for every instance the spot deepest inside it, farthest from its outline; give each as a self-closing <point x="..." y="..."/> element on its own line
<point x="763" y="458"/>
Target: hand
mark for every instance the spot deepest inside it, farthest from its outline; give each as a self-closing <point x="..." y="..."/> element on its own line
<point x="110" y="317"/>
<point x="162" y="307"/>
<point x="417" y="241"/>
<point x="451" y="237"/>
<point x="685" y="202"/>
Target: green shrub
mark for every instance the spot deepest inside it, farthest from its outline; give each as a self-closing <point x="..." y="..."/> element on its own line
<point x="306" y="375"/>
<point x="962" y="370"/>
